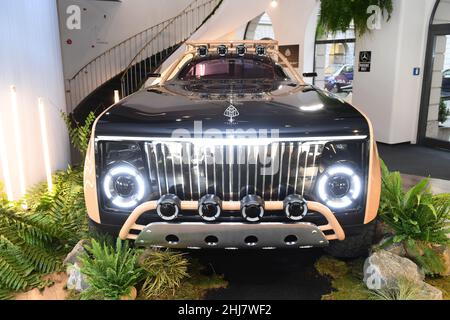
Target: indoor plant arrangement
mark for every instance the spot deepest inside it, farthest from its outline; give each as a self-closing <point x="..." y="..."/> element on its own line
<point x="337" y="15"/>
<point x="418" y="219"/>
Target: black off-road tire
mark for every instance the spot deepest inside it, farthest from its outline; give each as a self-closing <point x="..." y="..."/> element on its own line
<point x="354" y="246"/>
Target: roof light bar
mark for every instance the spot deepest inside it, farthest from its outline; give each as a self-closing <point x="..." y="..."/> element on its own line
<point x="222" y="50"/>
<point x="261" y="50"/>
<point x="241" y="50"/>
<point x="202" y="51"/>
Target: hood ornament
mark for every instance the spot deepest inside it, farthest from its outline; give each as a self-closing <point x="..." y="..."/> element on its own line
<point x="231" y="112"/>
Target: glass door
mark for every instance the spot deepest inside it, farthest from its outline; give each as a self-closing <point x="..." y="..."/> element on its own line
<point x="434" y="125"/>
<point x="438" y="122"/>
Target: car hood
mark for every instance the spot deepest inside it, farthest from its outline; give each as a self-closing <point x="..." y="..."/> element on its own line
<point x="289" y="110"/>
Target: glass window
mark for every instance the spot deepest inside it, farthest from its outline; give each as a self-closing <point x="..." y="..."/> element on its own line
<point x="442" y="15"/>
<point x="438" y="122"/>
<point x="260" y="28"/>
<point x="231" y="69"/>
<point x="334" y="61"/>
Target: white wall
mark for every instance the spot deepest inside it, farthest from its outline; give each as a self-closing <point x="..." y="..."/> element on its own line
<point x="104" y="24"/>
<point x="294" y="22"/>
<point x="30" y="59"/>
<point x="390" y="94"/>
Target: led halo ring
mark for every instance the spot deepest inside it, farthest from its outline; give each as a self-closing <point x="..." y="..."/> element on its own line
<point x="222" y="50"/>
<point x="296" y="218"/>
<point x="173" y="202"/>
<point x="351" y="195"/>
<point x="166" y="218"/>
<point x="206" y="218"/>
<point x="241" y="50"/>
<point x="124" y="170"/>
<point x="255" y="219"/>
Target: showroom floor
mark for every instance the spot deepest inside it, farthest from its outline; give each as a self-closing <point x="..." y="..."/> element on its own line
<point x="290" y="274"/>
<point x="415" y="160"/>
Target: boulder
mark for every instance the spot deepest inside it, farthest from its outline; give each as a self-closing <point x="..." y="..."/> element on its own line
<point x="77" y="251"/>
<point x="395" y="248"/>
<point x="383" y="269"/>
<point x="76" y="280"/>
<point x="428" y="292"/>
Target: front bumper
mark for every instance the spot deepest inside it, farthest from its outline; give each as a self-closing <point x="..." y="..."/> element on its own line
<point x="232" y="235"/>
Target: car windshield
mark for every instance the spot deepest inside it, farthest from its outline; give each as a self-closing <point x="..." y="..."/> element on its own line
<point x="232" y="68"/>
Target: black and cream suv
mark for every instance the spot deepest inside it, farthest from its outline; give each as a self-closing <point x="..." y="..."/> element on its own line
<point x="231" y="149"/>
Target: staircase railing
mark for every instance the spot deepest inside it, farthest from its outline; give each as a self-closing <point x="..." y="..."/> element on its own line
<point x="150" y="47"/>
<point x="178" y="30"/>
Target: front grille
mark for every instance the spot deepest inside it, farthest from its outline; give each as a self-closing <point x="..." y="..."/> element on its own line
<point x="191" y="170"/>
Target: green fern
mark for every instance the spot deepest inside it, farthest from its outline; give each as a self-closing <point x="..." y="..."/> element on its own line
<point x="6" y="294"/>
<point x="337" y="15"/>
<point x="418" y="218"/>
<point x="33" y="242"/>
<point x="79" y="134"/>
<point x="111" y="272"/>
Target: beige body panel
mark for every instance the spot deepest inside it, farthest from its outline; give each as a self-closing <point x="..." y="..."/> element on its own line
<point x="373" y="185"/>
<point x="374" y="174"/>
<point x="90" y="177"/>
<point x="90" y="183"/>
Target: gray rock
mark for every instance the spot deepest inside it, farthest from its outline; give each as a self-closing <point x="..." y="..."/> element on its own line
<point x="383" y="269"/>
<point x="76" y="280"/>
<point x="395" y="248"/>
<point x="428" y="292"/>
<point x="77" y="251"/>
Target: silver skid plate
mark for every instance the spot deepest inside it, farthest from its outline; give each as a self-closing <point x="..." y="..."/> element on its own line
<point x="231" y="236"/>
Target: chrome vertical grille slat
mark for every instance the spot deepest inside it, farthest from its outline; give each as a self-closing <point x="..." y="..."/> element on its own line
<point x="230" y="160"/>
<point x="198" y="160"/>
<point x="189" y="151"/>
<point x="163" y="150"/>
<point x="193" y="170"/>
<point x="282" y="155"/>
<point x="307" y="149"/>
<point x="263" y="186"/>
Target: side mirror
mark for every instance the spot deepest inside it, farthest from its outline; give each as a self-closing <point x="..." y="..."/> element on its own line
<point x="310" y="74"/>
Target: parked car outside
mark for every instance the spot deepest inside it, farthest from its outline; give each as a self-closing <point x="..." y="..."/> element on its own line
<point x="341" y="80"/>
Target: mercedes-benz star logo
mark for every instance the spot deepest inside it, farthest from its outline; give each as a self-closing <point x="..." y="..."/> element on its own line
<point x="231" y="112"/>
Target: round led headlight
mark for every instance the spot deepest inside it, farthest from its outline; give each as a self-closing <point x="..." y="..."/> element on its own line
<point x="339" y="186"/>
<point x="124" y="186"/>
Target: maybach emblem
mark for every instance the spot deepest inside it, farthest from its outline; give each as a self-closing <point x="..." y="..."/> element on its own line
<point x="231" y="112"/>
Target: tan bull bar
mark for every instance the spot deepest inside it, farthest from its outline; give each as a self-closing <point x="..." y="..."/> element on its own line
<point x="332" y="225"/>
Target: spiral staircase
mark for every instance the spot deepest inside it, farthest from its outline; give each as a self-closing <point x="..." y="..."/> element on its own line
<point x="127" y="65"/>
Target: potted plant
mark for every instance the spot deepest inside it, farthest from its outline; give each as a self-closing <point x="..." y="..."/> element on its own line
<point x="337" y="15"/>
